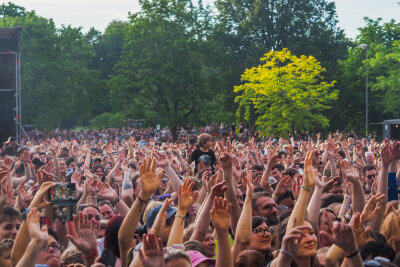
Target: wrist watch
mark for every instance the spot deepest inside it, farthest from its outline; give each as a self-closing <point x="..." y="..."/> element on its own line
<point x="115" y="201"/>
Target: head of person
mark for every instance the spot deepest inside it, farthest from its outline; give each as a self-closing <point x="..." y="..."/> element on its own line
<point x="93" y="213"/>
<point x="136" y="185"/>
<point x="111" y="234"/>
<point x="308" y="244"/>
<point x="261" y="235"/>
<point x="5" y="251"/>
<point x="263" y="205"/>
<point x="43" y="157"/>
<point x="10" y="222"/>
<point x="106" y="209"/>
<point x="98" y="170"/>
<point x="249" y="258"/>
<point x="63" y="165"/>
<point x="177" y="258"/>
<point x="50" y="252"/>
<point x="71" y="163"/>
<point x="205" y="140"/>
<point x="369" y="157"/>
<point x="370" y="174"/>
<point x="151" y="217"/>
<point x="276" y="171"/>
<point x="390" y="228"/>
<point x="340" y="156"/>
<point x="209" y="243"/>
<point x="374" y="249"/>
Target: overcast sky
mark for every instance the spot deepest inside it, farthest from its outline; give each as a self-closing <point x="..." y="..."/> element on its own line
<point x="98" y="13"/>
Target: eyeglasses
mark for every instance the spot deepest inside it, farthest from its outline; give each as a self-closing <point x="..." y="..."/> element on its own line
<point x="271" y="206"/>
<point x="371" y="176"/>
<point x="261" y="231"/>
<point x="164" y="181"/>
<point x="55" y="246"/>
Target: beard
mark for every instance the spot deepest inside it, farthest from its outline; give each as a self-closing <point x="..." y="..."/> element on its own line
<point x="272" y="219"/>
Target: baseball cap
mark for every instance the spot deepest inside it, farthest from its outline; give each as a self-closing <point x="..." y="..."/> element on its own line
<point x="206" y="159"/>
<point x="196" y="257"/>
<point x="151" y="216"/>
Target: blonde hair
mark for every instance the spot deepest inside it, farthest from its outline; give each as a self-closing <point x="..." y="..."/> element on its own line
<point x="390" y="228"/>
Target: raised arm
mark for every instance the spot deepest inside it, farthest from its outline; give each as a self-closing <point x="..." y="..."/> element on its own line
<point x="38" y="238"/>
<point x="243" y="229"/>
<point x="22" y="238"/>
<point x="185" y="200"/>
<point x="351" y="174"/>
<point x="221" y="218"/>
<point x="387" y="157"/>
<point x="230" y="194"/>
<point x="299" y="210"/>
<point x="149" y="184"/>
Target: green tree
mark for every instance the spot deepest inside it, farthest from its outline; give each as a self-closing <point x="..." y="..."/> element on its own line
<point x="11" y="10"/>
<point x="165" y="73"/>
<point x="287" y="92"/>
<point x="383" y="70"/>
<point x="57" y="86"/>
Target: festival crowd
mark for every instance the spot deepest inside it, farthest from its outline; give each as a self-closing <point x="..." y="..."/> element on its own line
<point x="135" y="197"/>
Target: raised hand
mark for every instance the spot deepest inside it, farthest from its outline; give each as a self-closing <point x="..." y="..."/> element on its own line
<point x="344" y="237"/>
<point x="218" y="189"/>
<point x="76" y="178"/>
<point x="349" y="172"/>
<point x="85" y="236"/>
<point x="151" y="253"/>
<point x="372" y="207"/>
<point x="283" y="185"/>
<point x="25" y="157"/>
<point x="38" y="200"/>
<point x="387" y="155"/>
<point x="7" y="164"/>
<point x="6" y="193"/>
<point x="24" y="195"/>
<point x="162" y="160"/>
<point x="185" y="196"/>
<point x="106" y="191"/>
<point x="221" y="214"/>
<point x="148" y="178"/>
<point x="362" y="235"/>
<point x="75" y="151"/>
<point x="249" y="185"/>
<point x="225" y="162"/>
<point x="330" y="148"/>
<point x="33" y="222"/>
<point x="309" y="172"/>
<point x="291" y="242"/>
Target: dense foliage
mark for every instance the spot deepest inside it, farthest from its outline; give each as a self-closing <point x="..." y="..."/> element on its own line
<point x="177" y="62"/>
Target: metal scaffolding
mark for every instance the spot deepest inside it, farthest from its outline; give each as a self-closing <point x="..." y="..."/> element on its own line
<point x="10" y="44"/>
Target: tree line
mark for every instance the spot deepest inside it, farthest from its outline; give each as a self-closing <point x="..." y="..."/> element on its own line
<point x="179" y="62"/>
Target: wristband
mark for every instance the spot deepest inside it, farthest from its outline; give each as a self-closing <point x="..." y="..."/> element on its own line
<point x="287" y="253"/>
<point x="306" y="188"/>
<point x="141" y="200"/>
<point x="347" y="196"/>
<point x="352" y="255"/>
<point x="95" y="252"/>
<point x="115" y="201"/>
<point x="180" y="216"/>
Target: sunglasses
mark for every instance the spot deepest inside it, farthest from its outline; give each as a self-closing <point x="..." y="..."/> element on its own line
<point x="371" y="176"/>
<point x="162" y="197"/>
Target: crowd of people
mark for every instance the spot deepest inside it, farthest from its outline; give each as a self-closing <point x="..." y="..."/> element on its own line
<point x="136" y="197"/>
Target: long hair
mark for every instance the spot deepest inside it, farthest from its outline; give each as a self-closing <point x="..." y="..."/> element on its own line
<point x="111" y="234"/>
<point x="390" y="228"/>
